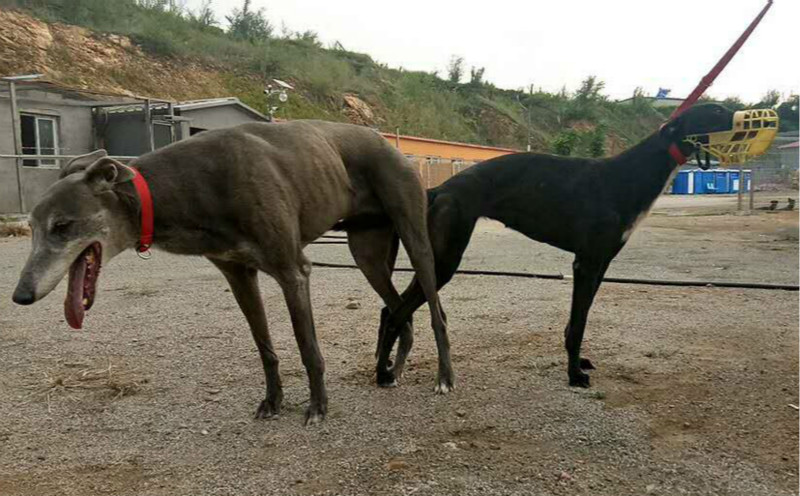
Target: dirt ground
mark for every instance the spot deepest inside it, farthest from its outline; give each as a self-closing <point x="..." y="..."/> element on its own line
<point x="155" y="395"/>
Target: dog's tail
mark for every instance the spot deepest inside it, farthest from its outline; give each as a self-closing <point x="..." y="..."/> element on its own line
<point x="365" y="222"/>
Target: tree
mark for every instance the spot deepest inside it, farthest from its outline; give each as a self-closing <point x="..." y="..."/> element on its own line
<point x="249" y="25"/>
<point x="788" y="113"/>
<point x="597" y="141"/>
<point x="308" y="37"/>
<point x="160" y="5"/>
<point x="204" y="16"/>
<point x="565" y="142"/>
<point x="476" y="75"/>
<point x="733" y="103"/>
<point x="586" y="101"/>
<point x="770" y="99"/>
<point x="590" y="90"/>
<point x="456" y="69"/>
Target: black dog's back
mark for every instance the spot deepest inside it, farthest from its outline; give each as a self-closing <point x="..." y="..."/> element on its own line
<point x="532" y="193"/>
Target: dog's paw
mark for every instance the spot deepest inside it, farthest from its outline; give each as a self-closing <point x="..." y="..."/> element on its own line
<point x="397" y="370"/>
<point x="579" y="379"/>
<point x="586" y="364"/>
<point x="314" y="415"/>
<point x="443" y="385"/>
<point x="443" y="388"/>
<point x="386" y="379"/>
<point x="269" y="410"/>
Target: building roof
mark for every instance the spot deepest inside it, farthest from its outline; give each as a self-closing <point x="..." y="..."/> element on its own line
<point x="796" y="144"/>
<point x="84" y="96"/>
<point x="662" y="99"/>
<point x="443" y="142"/>
<point x="218" y="102"/>
<point x="190" y="105"/>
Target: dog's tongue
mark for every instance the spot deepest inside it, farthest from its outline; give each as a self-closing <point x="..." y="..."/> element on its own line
<point x="81" y="285"/>
<point x="73" y="304"/>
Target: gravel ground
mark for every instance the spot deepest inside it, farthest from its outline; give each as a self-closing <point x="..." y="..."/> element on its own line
<point x="691" y="395"/>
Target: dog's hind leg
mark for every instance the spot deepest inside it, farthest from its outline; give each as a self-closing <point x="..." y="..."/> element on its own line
<point x="375" y="251"/>
<point x="404" y="200"/>
<point x="244" y="284"/>
<point x="588" y="274"/>
<point x="450" y="228"/>
<point x="294" y="281"/>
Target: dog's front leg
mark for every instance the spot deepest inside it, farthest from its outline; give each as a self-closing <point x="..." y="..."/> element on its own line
<point x="296" y="291"/>
<point x="587" y="278"/>
<point x="244" y="284"/>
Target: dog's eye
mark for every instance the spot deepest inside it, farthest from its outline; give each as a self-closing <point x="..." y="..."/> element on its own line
<point x="61" y="226"/>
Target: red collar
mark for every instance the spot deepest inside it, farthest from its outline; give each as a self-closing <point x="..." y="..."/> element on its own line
<point x="676" y="153"/>
<point x="146" y="202"/>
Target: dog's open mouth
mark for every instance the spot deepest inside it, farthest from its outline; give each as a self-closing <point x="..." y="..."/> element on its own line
<point x="82" y="284"/>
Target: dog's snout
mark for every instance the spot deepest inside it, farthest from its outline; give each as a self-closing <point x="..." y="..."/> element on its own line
<point x="23" y="296"/>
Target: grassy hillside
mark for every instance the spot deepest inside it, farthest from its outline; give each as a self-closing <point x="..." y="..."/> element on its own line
<point x="146" y="47"/>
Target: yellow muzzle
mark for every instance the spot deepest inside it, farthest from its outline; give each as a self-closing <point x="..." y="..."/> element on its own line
<point x="752" y="134"/>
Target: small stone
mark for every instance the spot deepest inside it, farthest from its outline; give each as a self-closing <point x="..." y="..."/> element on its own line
<point x="687" y="425"/>
<point x="450" y="445"/>
<point x="563" y="476"/>
<point x="353" y="305"/>
<point x="461" y="413"/>
<point x="204" y="432"/>
<point x="397" y="465"/>
<point x="650" y="488"/>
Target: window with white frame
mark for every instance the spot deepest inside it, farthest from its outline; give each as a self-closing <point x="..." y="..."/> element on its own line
<point x="433" y="160"/>
<point x="39" y="137"/>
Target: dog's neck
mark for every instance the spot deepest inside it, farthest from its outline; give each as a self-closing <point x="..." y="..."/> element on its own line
<point x="181" y="224"/>
<point x="643" y="171"/>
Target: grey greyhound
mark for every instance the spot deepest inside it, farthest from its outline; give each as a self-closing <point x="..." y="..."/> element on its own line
<point x="248" y="198"/>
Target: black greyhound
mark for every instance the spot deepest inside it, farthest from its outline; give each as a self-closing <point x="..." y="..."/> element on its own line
<point x="588" y="207"/>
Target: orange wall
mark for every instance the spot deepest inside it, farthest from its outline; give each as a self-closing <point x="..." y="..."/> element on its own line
<point x="423" y="147"/>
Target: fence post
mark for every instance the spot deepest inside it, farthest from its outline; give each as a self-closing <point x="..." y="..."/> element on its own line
<point x="740" y="192"/>
<point x="15" y="131"/>
<point x="148" y="126"/>
<point x="752" y="187"/>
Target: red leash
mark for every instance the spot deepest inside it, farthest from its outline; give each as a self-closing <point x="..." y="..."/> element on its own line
<point x="711" y="76"/>
<point x="146" y="202"/>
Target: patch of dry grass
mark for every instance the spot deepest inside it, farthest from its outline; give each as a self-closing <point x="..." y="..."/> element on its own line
<point x="115" y="381"/>
<point x="14" y="229"/>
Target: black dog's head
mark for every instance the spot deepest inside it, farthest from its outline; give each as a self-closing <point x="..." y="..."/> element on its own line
<point x="697" y="120"/>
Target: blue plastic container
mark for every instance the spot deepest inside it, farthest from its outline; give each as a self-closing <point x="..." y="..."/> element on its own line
<point x="704" y="182"/>
<point x="735" y="181"/>
<point x="680" y="186"/>
<point x="722" y="181"/>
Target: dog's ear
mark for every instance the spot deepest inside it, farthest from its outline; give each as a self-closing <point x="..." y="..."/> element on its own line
<point x="81" y="162"/>
<point x="106" y="173"/>
<point x="673" y="129"/>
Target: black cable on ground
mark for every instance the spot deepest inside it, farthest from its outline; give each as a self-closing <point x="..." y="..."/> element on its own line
<point x="619" y="280"/>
